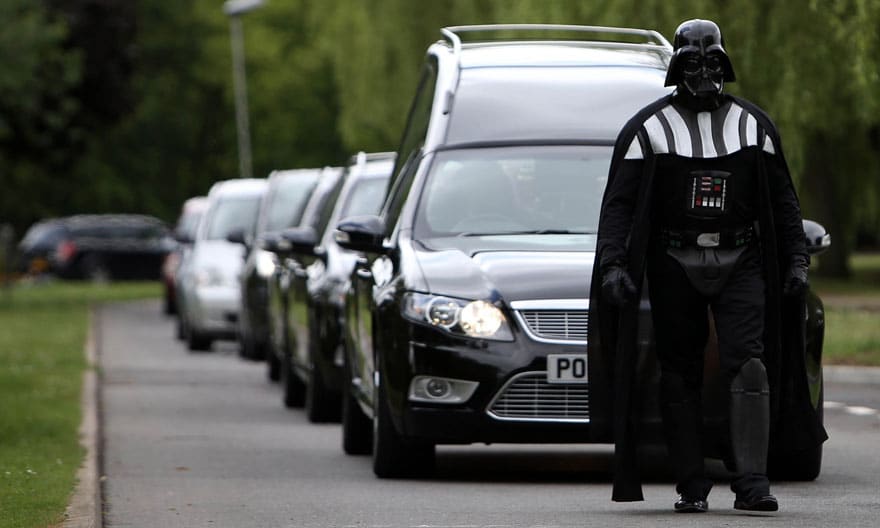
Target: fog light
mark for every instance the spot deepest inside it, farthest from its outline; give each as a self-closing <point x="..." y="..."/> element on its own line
<point x="433" y="389"/>
<point x="437" y="388"/>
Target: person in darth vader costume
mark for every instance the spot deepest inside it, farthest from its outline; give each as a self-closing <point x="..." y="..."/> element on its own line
<point x="700" y="202"/>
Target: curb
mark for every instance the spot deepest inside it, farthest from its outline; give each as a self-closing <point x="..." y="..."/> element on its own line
<point x="851" y="374"/>
<point x="84" y="509"/>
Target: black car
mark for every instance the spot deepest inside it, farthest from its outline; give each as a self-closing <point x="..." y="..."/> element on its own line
<point x="109" y="246"/>
<point x="281" y="337"/>
<point x="38" y="244"/>
<point x="282" y="207"/>
<point x="316" y="298"/>
<point x="469" y="313"/>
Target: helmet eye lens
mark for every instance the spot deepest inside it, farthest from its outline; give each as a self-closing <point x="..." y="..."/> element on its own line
<point x="692" y="66"/>
<point x="714" y="64"/>
<point x="695" y="65"/>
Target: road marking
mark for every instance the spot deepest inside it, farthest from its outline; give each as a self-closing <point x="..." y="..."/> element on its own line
<point x="855" y="410"/>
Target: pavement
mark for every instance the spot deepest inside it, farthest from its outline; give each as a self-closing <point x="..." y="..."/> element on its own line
<point x="86" y="510"/>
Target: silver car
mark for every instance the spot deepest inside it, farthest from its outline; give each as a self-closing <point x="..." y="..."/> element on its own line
<point x="209" y="274"/>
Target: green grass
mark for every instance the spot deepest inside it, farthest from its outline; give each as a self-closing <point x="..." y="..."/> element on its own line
<point x="852" y="337"/>
<point x="43" y="329"/>
<point x="852" y="313"/>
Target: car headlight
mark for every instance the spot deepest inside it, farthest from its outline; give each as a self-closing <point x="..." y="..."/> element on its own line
<point x="477" y="319"/>
<point x="265" y="263"/>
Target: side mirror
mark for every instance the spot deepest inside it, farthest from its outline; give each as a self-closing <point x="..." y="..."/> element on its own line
<point x="818" y="239"/>
<point x="237" y="236"/>
<point x="302" y="240"/>
<point x="273" y="243"/>
<point x="361" y="233"/>
<point x="182" y="237"/>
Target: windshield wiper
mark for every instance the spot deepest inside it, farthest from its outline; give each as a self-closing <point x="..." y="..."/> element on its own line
<point x="528" y="232"/>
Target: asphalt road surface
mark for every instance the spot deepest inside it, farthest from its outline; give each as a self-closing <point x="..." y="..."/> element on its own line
<point x="202" y="440"/>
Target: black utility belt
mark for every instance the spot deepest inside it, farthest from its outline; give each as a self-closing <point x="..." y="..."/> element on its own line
<point x="727" y="239"/>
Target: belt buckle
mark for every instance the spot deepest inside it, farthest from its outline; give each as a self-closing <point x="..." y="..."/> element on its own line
<point x="709" y="240"/>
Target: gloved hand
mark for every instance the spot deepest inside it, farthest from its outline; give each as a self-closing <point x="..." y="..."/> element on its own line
<point x="796" y="277"/>
<point x="617" y="286"/>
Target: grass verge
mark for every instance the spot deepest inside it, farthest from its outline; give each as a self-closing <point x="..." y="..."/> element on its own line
<point x="852" y="313"/>
<point x="43" y="329"/>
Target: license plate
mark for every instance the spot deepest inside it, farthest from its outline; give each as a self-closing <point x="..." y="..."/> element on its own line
<point x="567" y="368"/>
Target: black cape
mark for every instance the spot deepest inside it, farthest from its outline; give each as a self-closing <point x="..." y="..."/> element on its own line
<point x="612" y="332"/>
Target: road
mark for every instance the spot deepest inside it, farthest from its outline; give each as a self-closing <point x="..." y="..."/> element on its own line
<point x="201" y="439"/>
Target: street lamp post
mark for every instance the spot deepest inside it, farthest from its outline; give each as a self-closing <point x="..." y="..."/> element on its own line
<point x="234" y="9"/>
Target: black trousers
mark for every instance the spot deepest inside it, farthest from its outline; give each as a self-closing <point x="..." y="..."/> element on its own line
<point x="681" y="327"/>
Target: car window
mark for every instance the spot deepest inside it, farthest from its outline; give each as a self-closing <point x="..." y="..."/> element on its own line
<point x="43" y="235"/>
<point x="232" y="214"/>
<point x="189" y="222"/>
<point x="328" y="205"/>
<point x="288" y="200"/>
<point x="513" y="190"/>
<point x="413" y="139"/>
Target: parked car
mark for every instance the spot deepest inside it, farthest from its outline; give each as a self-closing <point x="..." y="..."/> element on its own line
<point x="282" y="207"/>
<point x="282" y="337"/>
<point x="107" y="246"/>
<point x="475" y="276"/>
<point x="316" y="298"/>
<point x="36" y="247"/>
<point x="209" y="275"/>
<point x="184" y="233"/>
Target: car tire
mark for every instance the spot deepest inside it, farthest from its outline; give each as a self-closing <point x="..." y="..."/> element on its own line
<point x="322" y="403"/>
<point x="294" y="391"/>
<point x="357" y="433"/>
<point x="393" y="455"/>
<point x="195" y="341"/>
<point x="179" y="330"/>
<point x="94" y="269"/>
<point x="273" y="366"/>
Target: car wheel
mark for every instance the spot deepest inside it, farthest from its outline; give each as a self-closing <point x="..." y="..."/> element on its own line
<point x="294" y="392"/>
<point x="322" y="403"/>
<point x="94" y="269"/>
<point x="273" y="366"/>
<point x="393" y="455"/>
<point x="179" y="330"/>
<point x="357" y="437"/>
<point x="197" y="341"/>
<point x="246" y="345"/>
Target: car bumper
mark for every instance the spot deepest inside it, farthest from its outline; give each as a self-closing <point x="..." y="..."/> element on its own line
<point x="554" y="414"/>
<point x="215" y="310"/>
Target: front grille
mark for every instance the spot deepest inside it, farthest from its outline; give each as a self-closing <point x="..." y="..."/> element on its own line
<point x="563" y="325"/>
<point x="529" y="398"/>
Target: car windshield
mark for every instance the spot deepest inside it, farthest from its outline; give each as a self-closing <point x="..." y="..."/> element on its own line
<point x="188" y="222"/>
<point x="287" y="202"/>
<point x="521" y="190"/>
<point x="232" y="214"/>
<point x="365" y="198"/>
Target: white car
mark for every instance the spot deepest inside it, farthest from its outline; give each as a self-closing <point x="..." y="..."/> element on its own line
<point x="209" y="275"/>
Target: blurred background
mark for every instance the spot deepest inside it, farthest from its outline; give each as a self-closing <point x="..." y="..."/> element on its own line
<point x="128" y="106"/>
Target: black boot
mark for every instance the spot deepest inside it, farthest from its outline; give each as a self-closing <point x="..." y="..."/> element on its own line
<point x="749" y="437"/>
<point x="682" y="427"/>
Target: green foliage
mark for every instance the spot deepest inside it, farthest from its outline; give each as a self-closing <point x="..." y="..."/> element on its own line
<point x="326" y="79"/>
<point x="41" y="367"/>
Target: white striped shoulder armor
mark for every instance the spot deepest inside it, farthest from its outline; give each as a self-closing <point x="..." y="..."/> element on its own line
<point x="675" y="130"/>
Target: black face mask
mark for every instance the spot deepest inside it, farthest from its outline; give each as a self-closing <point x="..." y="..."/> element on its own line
<point x="702" y="76"/>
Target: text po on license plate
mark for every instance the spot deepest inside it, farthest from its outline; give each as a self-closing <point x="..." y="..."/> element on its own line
<point x="567" y="368"/>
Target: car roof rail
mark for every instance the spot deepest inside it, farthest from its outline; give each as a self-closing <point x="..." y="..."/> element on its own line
<point x="653" y="38"/>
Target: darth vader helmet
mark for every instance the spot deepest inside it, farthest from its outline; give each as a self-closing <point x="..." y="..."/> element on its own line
<point x="699" y="63"/>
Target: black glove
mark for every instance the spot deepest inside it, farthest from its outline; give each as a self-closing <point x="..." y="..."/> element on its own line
<point x="617" y="286"/>
<point x="796" y="277"/>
